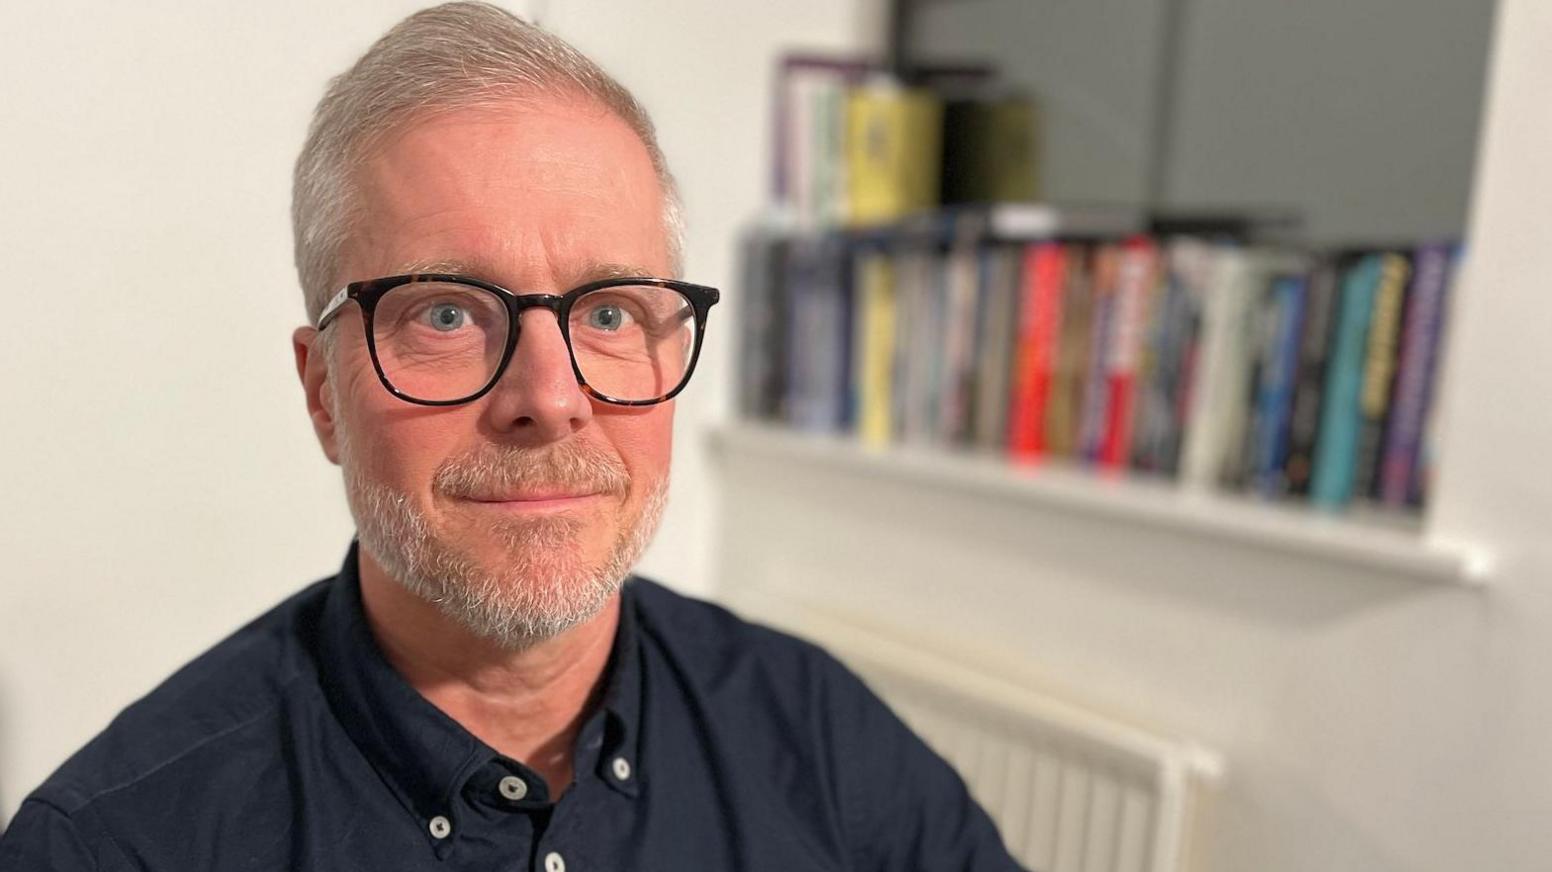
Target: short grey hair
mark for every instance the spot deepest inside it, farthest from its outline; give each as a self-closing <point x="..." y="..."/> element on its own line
<point x="454" y="56"/>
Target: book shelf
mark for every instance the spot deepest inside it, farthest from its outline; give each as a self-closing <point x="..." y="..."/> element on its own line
<point x="1393" y="545"/>
<point x="1230" y="383"/>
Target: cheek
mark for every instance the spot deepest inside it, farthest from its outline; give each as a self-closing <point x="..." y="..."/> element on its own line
<point x="396" y="443"/>
<point x="644" y="441"/>
<point x="409" y="452"/>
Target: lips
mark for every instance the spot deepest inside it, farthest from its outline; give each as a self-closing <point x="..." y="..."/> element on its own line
<point x="533" y="497"/>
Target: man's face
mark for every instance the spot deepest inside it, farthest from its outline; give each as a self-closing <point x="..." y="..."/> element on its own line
<point x="517" y="512"/>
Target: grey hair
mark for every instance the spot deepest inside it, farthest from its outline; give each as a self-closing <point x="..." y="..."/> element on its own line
<point x="454" y="56"/>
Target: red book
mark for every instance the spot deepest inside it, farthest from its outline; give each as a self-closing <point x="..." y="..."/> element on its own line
<point x="1040" y="318"/>
<point x="1135" y="284"/>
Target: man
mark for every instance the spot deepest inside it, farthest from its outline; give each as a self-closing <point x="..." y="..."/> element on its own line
<point x="482" y="219"/>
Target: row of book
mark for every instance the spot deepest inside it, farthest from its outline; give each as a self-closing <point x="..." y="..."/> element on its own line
<point x="1280" y="372"/>
<point x="857" y="147"/>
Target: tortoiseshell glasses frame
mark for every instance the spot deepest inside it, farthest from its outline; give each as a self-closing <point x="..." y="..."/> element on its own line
<point x="367" y="295"/>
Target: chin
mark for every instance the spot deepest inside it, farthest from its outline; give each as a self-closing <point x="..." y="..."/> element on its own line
<point x="511" y="580"/>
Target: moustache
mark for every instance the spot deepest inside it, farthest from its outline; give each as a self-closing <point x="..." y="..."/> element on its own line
<point x="495" y="471"/>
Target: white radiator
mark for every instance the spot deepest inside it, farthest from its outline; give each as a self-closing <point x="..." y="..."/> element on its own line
<point x="1070" y="790"/>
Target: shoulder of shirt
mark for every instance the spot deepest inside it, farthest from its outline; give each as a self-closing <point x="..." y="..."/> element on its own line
<point x="237" y="684"/>
<point x="710" y="641"/>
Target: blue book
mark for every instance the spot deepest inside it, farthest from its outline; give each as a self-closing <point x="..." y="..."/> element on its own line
<point x="1274" y="393"/>
<point x="1320" y="304"/>
<point x="818" y="395"/>
<point x="1336" y="449"/>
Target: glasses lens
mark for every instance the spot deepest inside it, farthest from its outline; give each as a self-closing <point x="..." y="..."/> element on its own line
<point x="633" y="342"/>
<point x="439" y="340"/>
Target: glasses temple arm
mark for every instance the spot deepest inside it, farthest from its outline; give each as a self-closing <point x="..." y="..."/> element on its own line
<point x="332" y="307"/>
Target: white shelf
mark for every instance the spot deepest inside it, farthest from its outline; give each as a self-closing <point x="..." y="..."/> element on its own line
<point x="1391" y="545"/>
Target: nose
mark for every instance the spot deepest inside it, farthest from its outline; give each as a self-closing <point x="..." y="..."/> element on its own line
<point x="538" y="397"/>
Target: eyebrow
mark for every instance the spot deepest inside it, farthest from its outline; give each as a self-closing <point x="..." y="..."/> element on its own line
<point x="602" y="270"/>
<point x="437" y="265"/>
<point x="594" y="271"/>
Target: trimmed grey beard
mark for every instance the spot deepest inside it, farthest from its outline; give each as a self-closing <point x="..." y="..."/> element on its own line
<point x="544" y="588"/>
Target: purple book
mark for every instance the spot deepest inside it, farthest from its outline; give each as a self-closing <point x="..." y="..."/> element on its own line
<point x="1421" y="330"/>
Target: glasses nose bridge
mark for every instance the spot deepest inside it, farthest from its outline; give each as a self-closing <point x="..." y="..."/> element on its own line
<point x="517" y="304"/>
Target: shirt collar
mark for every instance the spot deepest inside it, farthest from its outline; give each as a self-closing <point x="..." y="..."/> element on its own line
<point x="422" y="754"/>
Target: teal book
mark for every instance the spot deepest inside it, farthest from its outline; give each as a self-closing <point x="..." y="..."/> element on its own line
<point x="1336" y="448"/>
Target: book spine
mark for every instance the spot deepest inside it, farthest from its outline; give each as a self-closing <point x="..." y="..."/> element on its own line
<point x="989" y="151"/>
<point x="931" y="348"/>
<point x="841" y="396"/>
<point x="1428" y="449"/>
<point x="828" y="150"/>
<point x="1220" y="285"/>
<point x="1073" y="328"/>
<point x="1096" y="394"/>
<point x="893" y="152"/>
<point x="1045" y="268"/>
<point x="961" y="287"/>
<point x="915" y="352"/>
<point x="1274" y="400"/>
<point x="1178" y="361"/>
<point x="799" y="335"/>
<point x="1314" y="351"/>
<point x="1184" y="399"/>
<point x="1239" y="465"/>
<point x="1419" y="360"/>
<point x="761" y="331"/>
<point x="875" y="348"/>
<point x="908" y="267"/>
<point x="1379" y="374"/>
<point x="996" y="340"/>
<point x="798" y="77"/>
<point x="1234" y="281"/>
<point x="1151" y="418"/>
<point x="1336" y="448"/>
<point x="1136" y="283"/>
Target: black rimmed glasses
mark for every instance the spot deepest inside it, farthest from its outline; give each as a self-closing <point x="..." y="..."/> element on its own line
<point x="439" y="339"/>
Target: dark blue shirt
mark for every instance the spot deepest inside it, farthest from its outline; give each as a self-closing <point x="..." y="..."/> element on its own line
<point x="293" y="745"/>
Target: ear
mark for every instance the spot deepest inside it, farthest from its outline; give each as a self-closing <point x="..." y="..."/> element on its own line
<point x="313" y="369"/>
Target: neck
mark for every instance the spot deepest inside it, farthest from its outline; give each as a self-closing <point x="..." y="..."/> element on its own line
<point x="527" y="704"/>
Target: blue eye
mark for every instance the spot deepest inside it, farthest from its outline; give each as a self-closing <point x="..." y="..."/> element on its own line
<point x="607" y="317"/>
<point x="446" y="317"/>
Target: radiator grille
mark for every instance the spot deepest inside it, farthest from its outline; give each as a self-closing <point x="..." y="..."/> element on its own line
<point x="1069" y="789"/>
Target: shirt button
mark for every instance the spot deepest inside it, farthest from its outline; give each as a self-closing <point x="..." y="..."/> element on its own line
<point x="554" y="862"/>
<point x="621" y="768"/>
<point x="513" y="788"/>
<point x="441" y="828"/>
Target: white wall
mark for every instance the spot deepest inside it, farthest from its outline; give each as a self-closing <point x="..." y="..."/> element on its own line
<point x="1371" y="723"/>
<point x="161" y="483"/>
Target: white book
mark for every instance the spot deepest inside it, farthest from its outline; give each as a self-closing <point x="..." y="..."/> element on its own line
<point x="1230" y="280"/>
<point x="962" y="280"/>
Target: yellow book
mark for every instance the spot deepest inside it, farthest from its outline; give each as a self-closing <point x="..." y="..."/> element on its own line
<point x="893" y="152"/>
<point x="875" y="352"/>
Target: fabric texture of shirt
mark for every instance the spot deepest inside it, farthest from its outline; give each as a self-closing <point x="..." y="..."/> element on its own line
<point x="294" y="745"/>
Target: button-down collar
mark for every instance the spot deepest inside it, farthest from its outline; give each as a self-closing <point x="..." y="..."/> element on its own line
<point x="425" y="757"/>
